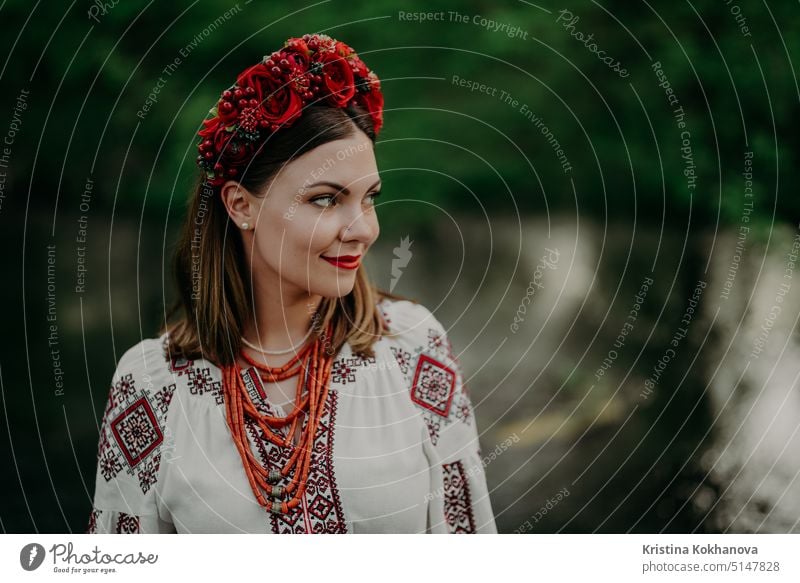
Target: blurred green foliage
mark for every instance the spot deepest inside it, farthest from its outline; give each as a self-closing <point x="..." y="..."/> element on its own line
<point x="442" y="144"/>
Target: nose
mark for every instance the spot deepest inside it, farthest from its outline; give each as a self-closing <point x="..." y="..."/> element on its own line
<point x="361" y="227"/>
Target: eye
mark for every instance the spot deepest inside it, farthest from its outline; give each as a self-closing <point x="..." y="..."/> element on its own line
<point x="331" y="198"/>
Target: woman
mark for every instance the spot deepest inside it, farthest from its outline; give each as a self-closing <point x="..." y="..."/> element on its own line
<point x="290" y="396"/>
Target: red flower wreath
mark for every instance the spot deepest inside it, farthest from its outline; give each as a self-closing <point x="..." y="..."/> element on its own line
<point x="272" y="94"/>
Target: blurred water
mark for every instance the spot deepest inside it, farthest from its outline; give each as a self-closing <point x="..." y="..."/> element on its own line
<point x="713" y="448"/>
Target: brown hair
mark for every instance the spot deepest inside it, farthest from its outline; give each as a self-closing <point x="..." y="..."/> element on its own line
<point x="214" y="295"/>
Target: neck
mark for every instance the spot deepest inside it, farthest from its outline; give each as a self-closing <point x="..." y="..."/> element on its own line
<point x="280" y="319"/>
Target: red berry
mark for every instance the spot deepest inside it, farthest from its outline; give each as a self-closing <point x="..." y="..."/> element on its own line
<point x="238" y="94"/>
<point x="275" y="70"/>
<point x="226" y="94"/>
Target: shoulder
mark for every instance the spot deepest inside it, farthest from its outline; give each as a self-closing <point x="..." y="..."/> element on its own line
<point x="145" y="359"/>
<point x="144" y="369"/>
<point x="142" y="385"/>
<point x="415" y="331"/>
<point x="139" y="398"/>
<point x="408" y="319"/>
<point x="151" y="360"/>
<point x="424" y="354"/>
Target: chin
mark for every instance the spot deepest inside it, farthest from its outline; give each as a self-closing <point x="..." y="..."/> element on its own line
<point x="334" y="290"/>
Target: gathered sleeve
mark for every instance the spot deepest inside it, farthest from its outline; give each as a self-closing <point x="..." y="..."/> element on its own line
<point x="459" y="499"/>
<point x="134" y="445"/>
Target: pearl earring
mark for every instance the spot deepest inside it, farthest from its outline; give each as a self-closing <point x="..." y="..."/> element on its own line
<point x="245" y="226"/>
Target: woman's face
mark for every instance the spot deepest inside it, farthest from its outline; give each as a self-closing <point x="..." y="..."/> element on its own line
<point x="321" y="205"/>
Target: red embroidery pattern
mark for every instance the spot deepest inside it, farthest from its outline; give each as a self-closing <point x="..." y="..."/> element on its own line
<point x="125" y="387"/>
<point x="344" y="370"/>
<point x="136" y="431"/>
<point x="201" y="382"/>
<point x="463" y="407"/>
<point x="403" y="358"/>
<point x="149" y="472"/>
<point x="93" y="516"/>
<point x="457" y="502"/>
<point x="435" y="340"/>
<point x="178" y="365"/>
<point x="366" y="360"/>
<point x="109" y="463"/>
<point x="322" y="510"/>
<point x="433" y="385"/>
<point x="127" y="524"/>
<point x="133" y="431"/>
<point x="164" y="397"/>
<point x="382" y="305"/>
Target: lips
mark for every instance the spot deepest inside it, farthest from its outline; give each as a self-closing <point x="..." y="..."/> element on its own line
<point x="344" y="261"/>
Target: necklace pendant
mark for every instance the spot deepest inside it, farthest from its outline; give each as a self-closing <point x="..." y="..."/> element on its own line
<point x="273" y="476"/>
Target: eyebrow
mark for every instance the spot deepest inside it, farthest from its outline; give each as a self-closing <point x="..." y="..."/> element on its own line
<point x="338" y="187"/>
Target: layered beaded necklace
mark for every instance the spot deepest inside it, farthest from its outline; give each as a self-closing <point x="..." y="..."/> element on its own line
<point x="316" y="363"/>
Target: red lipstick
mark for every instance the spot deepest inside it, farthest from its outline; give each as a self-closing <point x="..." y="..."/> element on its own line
<point x="344" y="261"/>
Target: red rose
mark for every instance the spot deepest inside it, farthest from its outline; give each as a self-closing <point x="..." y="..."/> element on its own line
<point x="337" y="78"/>
<point x="232" y="149"/>
<point x="298" y="50"/>
<point x="209" y="127"/>
<point x="281" y="104"/>
<point x="256" y="77"/>
<point x="297" y="45"/>
<point x="373" y="101"/>
<point x="275" y="95"/>
<point x="358" y="66"/>
<point x="321" y="42"/>
<point x="342" y="49"/>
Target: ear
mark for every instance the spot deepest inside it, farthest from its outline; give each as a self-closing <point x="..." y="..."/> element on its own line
<point x="239" y="203"/>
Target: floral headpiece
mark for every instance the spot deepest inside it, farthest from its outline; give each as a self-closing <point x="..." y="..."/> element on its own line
<point x="272" y="94"/>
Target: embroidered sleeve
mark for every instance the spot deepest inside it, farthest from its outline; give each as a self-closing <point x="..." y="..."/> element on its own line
<point x="459" y="500"/>
<point x="133" y="436"/>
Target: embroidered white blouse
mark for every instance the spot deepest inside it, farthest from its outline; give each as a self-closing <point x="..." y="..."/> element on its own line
<point x="396" y="450"/>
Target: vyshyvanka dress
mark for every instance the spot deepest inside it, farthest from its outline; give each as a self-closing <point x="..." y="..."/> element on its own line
<point x="396" y="450"/>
